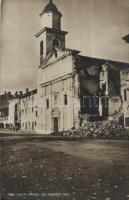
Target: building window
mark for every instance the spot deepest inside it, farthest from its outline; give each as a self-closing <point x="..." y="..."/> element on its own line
<point x="26" y="125"/>
<point x="41" y="48"/>
<point x="65" y="99"/>
<point x="90" y="102"/>
<point x="125" y="95"/>
<point x="47" y="103"/>
<point x="32" y="109"/>
<point x="127" y="121"/>
<point x="103" y="89"/>
<point x="32" y="97"/>
<point x="35" y="123"/>
<point x="55" y="99"/>
<point x="36" y="113"/>
<point x="32" y="125"/>
<point x="55" y="43"/>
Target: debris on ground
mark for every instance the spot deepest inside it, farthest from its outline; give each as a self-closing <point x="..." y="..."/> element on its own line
<point x="97" y="130"/>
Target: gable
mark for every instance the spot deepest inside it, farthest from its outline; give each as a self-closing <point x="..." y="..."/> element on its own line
<point x="58" y="54"/>
<point x="53" y="56"/>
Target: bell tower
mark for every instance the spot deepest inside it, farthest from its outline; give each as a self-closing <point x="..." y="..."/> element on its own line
<point x="50" y="35"/>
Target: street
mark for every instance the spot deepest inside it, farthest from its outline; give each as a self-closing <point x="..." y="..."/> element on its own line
<point x="34" y="168"/>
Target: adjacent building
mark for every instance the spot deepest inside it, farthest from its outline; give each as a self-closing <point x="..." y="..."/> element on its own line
<point x="20" y="111"/>
<point x="14" y="120"/>
<point x="28" y="111"/>
<point x="4" y="109"/>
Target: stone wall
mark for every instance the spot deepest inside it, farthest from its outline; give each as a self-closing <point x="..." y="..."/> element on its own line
<point x="115" y="106"/>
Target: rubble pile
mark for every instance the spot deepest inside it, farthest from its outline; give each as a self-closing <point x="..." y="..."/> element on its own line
<point x="98" y="129"/>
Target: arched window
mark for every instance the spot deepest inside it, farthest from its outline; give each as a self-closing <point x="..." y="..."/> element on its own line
<point x="55" y="99"/>
<point x="55" y="43"/>
<point x="41" y="48"/>
<point x="65" y="99"/>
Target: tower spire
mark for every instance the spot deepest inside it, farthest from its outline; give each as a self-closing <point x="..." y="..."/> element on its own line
<point x="50" y="35"/>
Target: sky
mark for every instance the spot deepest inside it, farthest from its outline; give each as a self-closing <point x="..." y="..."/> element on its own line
<point x="95" y="28"/>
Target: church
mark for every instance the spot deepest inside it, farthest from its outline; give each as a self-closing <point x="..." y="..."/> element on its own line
<point x="73" y="88"/>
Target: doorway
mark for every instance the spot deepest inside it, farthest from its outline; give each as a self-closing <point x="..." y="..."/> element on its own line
<point x="56" y="128"/>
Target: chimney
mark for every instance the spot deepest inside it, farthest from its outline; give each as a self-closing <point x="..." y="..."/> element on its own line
<point x="20" y="93"/>
<point x="27" y="90"/>
<point x="16" y="94"/>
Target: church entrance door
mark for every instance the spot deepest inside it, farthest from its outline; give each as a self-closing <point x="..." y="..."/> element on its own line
<point x="56" y="128"/>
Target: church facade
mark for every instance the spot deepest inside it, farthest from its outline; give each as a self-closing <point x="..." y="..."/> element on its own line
<point x="57" y="81"/>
